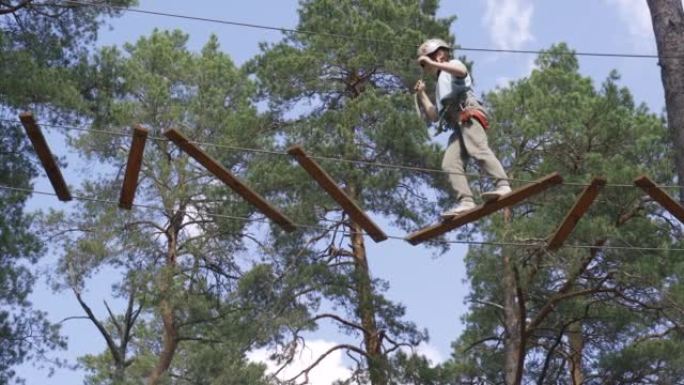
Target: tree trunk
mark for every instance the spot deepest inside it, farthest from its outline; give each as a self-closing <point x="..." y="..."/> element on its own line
<point x="372" y="337"/>
<point x="119" y="373"/>
<point x="576" y="342"/>
<point x="668" y="25"/>
<point x="169" y="338"/>
<point x="166" y="309"/>
<point x="514" y="323"/>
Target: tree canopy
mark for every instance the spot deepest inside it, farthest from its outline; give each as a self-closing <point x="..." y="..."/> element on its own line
<point x="558" y="316"/>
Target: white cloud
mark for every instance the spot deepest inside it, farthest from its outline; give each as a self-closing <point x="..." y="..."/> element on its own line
<point x="430" y="352"/>
<point x="509" y="22"/>
<point x="636" y="15"/>
<point x="192" y="229"/>
<point x="332" y="368"/>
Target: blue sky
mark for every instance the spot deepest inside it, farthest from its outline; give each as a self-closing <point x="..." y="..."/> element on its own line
<point x="432" y="288"/>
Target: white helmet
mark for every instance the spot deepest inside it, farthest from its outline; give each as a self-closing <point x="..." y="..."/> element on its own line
<point x="432" y="45"/>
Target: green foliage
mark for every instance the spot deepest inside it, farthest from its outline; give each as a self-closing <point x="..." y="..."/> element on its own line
<point x="659" y="359"/>
<point x="557" y="120"/>
<point x="39" y="47"/>
<point x="416" y="369"/>
<point x="41" y="44"/>
<point x="350" y="98"/>
<point x="183" y="256"/>
<point x="24" y="332"/>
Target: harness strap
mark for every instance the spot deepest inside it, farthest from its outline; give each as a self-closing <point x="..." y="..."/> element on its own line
<point x="442" y="117"/>
<point x="476" y="114"/>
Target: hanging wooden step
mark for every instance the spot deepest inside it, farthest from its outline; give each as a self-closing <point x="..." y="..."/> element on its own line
<point x="45" y="155"/>
<point x="485" y="209"/>
<point x="580" y="208"/>
<point x="328" y="184"/>
<point x="659" y="195"/>
<point x="229" y="179"/>
<point x="135" y="156"/>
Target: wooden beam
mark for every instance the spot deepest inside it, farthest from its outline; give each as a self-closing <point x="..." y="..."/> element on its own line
<point x="328" y="184"/>
<point x="229" y="179"/>
<point x="580" y="208"/>
<point x="45" y="155"/>
<point x="135" y="156"/>
<point x="487" y="208"/>
<point x="660" y="196"/>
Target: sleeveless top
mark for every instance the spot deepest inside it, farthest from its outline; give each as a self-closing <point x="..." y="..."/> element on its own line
<point x="455" y="93"/>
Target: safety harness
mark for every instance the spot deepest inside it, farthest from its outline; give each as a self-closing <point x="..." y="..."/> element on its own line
<point x="463" y="117"/>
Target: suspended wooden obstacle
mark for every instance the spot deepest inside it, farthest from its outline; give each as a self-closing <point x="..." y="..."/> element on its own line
<point x="135" y="156"/>
<point x="660" y="196"/>
<point x="514" y="197"/>
<point x="229" y="179"/>
<point x="328" y="184"/>
<point x="578" y="210"/>
<point x="45" y="155"/>
<point x="139" y="138"/>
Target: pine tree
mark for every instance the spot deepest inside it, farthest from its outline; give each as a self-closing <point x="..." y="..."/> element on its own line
<point x="39" y="45"/>
<point x="570" y="316"/>
<point x="349" y="84"/>
<point x="183" y="259"/>
<point x="668" y="24"/>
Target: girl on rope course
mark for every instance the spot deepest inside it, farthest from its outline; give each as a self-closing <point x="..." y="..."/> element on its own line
<point x="457" y="108"/>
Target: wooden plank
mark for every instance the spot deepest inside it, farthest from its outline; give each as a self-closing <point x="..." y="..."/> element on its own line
<point x="229" y="179"/>
<point x="328" y="184"/>
<point x="485" y="209"/>
<point x="135" y="156"/>
<point x="578" y="210"/>
<point x="660" y="196"/>
<point x="45" y="155"/>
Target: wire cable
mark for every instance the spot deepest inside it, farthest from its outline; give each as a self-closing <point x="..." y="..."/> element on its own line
<point x="393" y="237"/>
<point x="329" y="158"/>
<point x="69" y="3"/>
<point x="345" y="37"/>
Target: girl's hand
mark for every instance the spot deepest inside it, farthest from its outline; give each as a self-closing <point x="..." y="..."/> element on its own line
<point x="420" y="86"/>
<point x="424" y="60"/>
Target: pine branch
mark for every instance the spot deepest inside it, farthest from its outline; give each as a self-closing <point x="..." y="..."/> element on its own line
<point x="103" y="331"/>
<point x="308" y="369"/>
<point x="340" y="320"/>
<point x="562" y="292"/>
<point x="13" y="8"/>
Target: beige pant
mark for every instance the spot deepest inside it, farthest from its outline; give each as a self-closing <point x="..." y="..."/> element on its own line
<point x="470" y="141"/>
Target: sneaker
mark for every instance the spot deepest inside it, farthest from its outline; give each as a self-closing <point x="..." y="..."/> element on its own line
<point x="495" y="194"/>
<point x="460" y="208"/>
